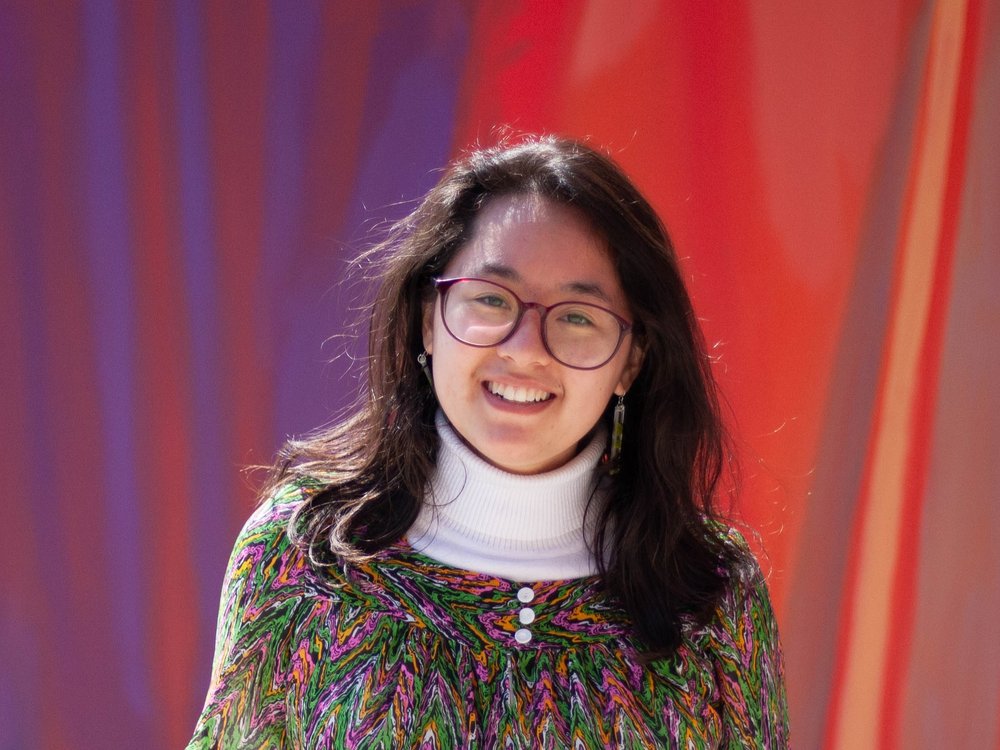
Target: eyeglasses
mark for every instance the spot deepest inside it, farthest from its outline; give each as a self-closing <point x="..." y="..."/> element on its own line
<point x="577" y="334"/>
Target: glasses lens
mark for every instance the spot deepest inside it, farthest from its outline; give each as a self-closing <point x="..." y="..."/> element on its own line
<point x="582" y="335"/>
<point x="478" y="312"/>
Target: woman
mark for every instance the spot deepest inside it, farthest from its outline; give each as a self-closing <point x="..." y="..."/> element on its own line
<point x="512" y="543"/>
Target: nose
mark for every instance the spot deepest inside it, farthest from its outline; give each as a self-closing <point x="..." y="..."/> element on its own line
<point x="525" y="344"/>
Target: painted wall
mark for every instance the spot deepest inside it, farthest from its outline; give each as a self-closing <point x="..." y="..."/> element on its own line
<point x="182" y="185"/>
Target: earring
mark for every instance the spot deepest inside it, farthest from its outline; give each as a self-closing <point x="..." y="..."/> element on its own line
<point x="422" y="361"/>
<point x="617" y="432"/>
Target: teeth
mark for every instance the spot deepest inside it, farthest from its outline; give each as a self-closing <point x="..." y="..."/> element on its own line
<point x="517" y="393"/>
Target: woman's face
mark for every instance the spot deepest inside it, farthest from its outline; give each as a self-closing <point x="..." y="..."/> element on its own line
<point x="543" y="252"/>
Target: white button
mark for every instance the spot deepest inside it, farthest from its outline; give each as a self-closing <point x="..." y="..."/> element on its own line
<point x="522" y="636"/>
<point x="525" y="595"/>
<point x="526" y="616"/>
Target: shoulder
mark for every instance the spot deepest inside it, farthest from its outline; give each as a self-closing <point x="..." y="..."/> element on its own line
<point x="267" y="526"/>
<point x="264" y="552"/>
<point x="747" y="589"/>
<point x="738" y="563"/>
<point x="276" y="510"/>
<point x="744" y="617"/>
<point x="744" y="600"/>
<point x="267" y="589"/>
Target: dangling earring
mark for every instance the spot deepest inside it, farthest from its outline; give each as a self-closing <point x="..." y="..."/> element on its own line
<point x="617" y="432"/>
<point x="422" y="361"/>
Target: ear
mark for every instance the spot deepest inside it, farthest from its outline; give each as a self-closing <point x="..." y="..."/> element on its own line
<point x="428" y="324"/>
<point x="636" y="355"/>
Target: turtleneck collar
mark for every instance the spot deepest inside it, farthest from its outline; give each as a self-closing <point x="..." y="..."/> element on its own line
<point x="520" y="527"/>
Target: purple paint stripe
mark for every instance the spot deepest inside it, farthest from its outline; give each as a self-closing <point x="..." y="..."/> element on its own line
<point x="414" y="80"/>
<point x="292" y="84"/>
<point x="417" y="63"/>
<point x="22" y="157"/>
<point x="295" y="50"/>
<point x="211" y="470"/>
<point x="109" y="255"/>
<point x="22" y="701"/>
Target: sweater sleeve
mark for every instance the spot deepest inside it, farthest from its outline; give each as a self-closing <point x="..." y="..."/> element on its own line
<point x="748" y="664"/>
<point x="245" y="705"/>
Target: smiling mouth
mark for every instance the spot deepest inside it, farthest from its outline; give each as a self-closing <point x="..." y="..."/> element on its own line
<point x="518" y="394"/>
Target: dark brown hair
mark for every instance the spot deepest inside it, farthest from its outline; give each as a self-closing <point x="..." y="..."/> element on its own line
<point x="669" y="557"/>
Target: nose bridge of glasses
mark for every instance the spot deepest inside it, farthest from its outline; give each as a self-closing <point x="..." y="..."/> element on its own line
<point x="538" y="307"/>
<point x="542" y="312"/>
<point x="534" y="330"/>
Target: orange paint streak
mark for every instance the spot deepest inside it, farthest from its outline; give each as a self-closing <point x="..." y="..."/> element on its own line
<point x="845" y="631"/>
<point x="845" y="628"/>
<point x="897" y="660"/>
<point x="870" y="626"/>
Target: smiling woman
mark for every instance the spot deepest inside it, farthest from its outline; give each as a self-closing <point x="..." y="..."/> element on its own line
<point x="513" y="541"/>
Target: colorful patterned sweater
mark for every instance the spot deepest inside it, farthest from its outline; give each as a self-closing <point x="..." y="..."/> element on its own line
<point x="406" y="652"/>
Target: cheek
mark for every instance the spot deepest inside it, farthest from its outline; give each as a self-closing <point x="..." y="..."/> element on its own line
<point x="591" y="394"/>
<point x="452" y="363"/>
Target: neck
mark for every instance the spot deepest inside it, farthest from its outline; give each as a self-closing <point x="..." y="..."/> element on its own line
<point x="481" y="518"/>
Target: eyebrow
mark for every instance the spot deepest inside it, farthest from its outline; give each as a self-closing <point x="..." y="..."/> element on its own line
<point x="505" y="272"/>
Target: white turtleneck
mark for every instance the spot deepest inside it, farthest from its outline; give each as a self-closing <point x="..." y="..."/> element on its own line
<point x="520" y="527"/>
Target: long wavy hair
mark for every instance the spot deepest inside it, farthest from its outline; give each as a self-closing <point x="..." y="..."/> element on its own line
<point x="669" y="559"/>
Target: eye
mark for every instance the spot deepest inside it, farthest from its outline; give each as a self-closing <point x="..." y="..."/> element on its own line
<point x="577" y="318"/>
<point x="492" y="300"/>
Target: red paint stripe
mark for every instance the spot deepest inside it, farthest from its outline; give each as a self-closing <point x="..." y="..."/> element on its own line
<point x="897" y="663"/>
<point x="163" y="371"/>
<point x="722" y="166"/>
<point x="236" y="68"/>
<point x="518" y="56"/>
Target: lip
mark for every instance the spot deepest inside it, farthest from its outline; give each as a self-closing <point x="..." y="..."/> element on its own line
<point x="517" y="407"/>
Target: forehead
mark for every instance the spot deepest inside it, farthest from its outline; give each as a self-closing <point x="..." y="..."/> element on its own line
<point x="543" y="248"/>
